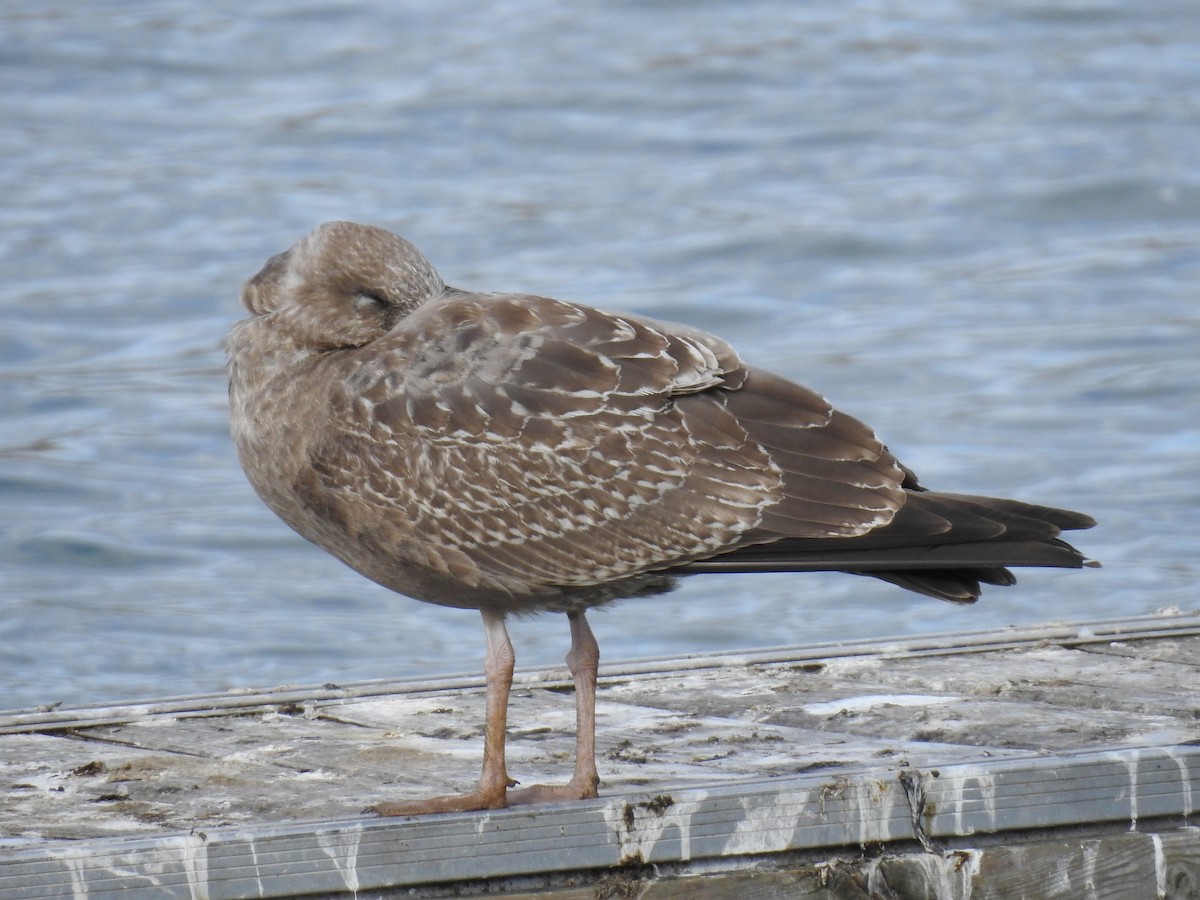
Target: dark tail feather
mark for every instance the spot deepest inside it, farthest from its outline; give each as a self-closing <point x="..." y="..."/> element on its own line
<point x="940" y="545"/>
<point x="955" y="585"/>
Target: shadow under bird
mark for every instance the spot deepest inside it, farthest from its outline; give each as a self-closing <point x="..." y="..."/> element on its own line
<point x="518" y="454"/>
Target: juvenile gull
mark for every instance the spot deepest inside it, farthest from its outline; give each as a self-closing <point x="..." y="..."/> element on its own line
<point x="518" y="454"/>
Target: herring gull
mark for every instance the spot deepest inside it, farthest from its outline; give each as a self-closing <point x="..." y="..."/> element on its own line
<point x="518" y="454"/>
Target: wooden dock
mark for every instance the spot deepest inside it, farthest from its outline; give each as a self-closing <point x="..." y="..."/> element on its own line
<point x="1059" y="761"/>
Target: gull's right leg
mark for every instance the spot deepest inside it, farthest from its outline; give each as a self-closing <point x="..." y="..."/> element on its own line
<point x="494" y="781"/>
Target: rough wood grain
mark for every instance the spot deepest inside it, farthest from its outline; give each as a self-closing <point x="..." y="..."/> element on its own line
<point x="922" y="748"/>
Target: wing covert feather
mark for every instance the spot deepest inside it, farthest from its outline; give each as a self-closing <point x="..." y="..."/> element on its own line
<point x="557" y="444"/>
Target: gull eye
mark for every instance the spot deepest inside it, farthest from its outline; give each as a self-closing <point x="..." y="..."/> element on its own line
<point x="369" y="300"/>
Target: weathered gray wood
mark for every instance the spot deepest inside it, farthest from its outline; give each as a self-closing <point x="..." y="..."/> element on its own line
<point x="1117" y="867"/>
<point x="1102" y="634"/>
<point x="748" y="820"/>
<point x="709" y="765"/>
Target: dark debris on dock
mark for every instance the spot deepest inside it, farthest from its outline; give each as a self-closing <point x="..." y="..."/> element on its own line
<point x="974" y="764"/>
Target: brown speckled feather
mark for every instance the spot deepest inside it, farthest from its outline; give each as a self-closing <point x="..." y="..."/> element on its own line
<point x="558" y="445"/>
<point x="520" y="453"/>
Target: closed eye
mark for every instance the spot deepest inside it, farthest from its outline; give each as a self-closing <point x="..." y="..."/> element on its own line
<point x="364" y="300"/>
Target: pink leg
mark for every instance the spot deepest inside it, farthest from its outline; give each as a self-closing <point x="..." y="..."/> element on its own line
<point x="494" y="781"/>
<point x="583" y="660"/>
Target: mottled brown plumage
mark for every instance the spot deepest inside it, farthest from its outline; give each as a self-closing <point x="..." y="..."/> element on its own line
<point x="517" y="454"/>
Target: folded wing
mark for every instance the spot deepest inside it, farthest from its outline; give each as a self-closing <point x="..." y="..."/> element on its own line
<point x="554" y="444"/>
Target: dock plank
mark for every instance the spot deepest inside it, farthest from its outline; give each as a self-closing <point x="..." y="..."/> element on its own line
<point x="932" y="743"/>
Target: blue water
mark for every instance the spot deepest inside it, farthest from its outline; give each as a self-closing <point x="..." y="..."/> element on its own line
<point x="975" y="226"/>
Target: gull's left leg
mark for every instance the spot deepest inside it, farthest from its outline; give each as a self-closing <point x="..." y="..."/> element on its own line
<point x="583" y="660"/>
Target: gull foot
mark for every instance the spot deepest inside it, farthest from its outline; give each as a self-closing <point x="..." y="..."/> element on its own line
<point x="480" y="799"/>
<point x="553" y="793"/>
